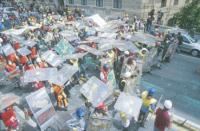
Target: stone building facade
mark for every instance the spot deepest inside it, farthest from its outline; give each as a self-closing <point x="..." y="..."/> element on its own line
<point x="138" y="8"/>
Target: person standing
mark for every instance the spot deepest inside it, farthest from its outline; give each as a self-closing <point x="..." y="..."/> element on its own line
<point x="148" y="105"/>
<point x="163" y="118"/>
<point x="180" y="41"/>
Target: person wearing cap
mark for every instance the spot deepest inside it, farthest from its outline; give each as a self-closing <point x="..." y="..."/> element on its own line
<point x="148" y="104"/>
<point x="60" y="95"/>
<point x="104" y="73"/>
<point x="163" y="118"/>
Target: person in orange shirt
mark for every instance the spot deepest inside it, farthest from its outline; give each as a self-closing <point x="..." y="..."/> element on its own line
<point x="9" y="119"/>
<point x="40" y="63"/>
<point x="16" y="45"/>
<point x="60" y="95"/>
<point x="29" y="66"/>
<point x="23" y="59"/>
<point x="33" y="54"/>
<point x="12" y="57"/>
<point x="11" y="67"/>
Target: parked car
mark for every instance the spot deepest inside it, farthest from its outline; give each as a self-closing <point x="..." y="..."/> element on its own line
<point x="190" y="45"/>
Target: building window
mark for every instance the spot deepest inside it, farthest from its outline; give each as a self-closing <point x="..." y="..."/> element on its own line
<point x="163" y="3"/>
<point x="83" y="2"/>
<point x="175" y="2"/>
<point x="71" y="2"/>
<point x="99" y="3"/>
<point x="117" y="4"/>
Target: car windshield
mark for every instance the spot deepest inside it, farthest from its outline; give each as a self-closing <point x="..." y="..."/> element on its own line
<point x="191" y="39"/>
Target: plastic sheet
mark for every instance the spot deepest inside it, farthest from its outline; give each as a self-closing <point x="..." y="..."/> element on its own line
<point x="97" y="20"/>
<point x="74" y="56"/>
<point x="145" y="39"/>
<point x="63" y="75"/>
<point x="129" y="104"/>
<point x="42" y="108"/>
<point x="64" y="48"/>
<point x="121" y="45"/>
<point x="8" y="99"/>
<point x="91" y="50"/>
<point x="41" y="74"/>
<point x="95" y="91"/>
<point x="24" y="51"/>
<point x="30" y="43"/>
<point x="8" y="49"/>
<point x="52" y="58"/>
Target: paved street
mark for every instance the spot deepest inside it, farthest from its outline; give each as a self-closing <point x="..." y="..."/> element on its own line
<point x="179" y="82"/>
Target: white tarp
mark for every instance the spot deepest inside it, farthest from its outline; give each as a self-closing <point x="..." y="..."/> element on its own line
<point x="29" y="43"/>
<point x="95" y="91"/>
<point x="74" y="56"/>
<point x="129" y="104"/>
<point x="97" y="20"/>
<point x="63" y="75"/>
<point x="41" y="107"/>
<point x="8" y="49"/>
<point x="90" y="50"/>
<point x="41" y="74"/>
<point x="7" y="100"/>
<point x="24" y="51"/>
<point x="52" y="58"/>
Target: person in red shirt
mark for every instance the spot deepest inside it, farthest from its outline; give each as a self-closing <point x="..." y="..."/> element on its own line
<point x="9" y="119"/>
<point x="10" y="67"/>
<point x="33" y="54"/>
<point x="29" y="66"/>
<point x="12" y="57"/>
<point x="16" y="45"/>
<point x="163" y="118"/>
<point x="23" y="59"/>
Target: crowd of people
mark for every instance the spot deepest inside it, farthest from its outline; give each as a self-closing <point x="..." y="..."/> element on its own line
<point x="19" y="56"/>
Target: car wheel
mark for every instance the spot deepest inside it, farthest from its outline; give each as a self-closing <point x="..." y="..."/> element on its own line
<point x="195" y="53"/>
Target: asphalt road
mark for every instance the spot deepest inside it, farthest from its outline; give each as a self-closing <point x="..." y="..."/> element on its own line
<point x="179" y="82"/>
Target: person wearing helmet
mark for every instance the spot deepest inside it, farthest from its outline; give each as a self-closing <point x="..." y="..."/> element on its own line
<point x="104" y="73"/>
<point x="101" y="109"/>
<point x="163" y="118"/>
<point x="81" y="124"/>
<point x="148" y="104"/>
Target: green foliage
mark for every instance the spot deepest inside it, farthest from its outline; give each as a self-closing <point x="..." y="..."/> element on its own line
<point x="188" y="18"/>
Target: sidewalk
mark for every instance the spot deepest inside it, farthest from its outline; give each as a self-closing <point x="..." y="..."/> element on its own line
<point x="150" y="125"/>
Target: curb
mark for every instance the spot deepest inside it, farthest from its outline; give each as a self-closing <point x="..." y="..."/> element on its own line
<point x="186" y="123"/>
